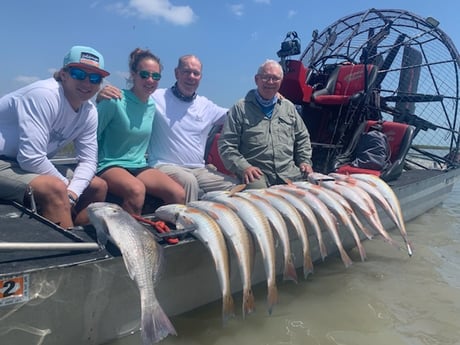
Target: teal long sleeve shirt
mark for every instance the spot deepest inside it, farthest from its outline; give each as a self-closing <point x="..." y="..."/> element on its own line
<point x="124" y="129"/>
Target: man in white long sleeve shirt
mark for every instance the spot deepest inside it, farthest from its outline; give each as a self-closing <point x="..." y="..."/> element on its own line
<point x="40" y="119"/>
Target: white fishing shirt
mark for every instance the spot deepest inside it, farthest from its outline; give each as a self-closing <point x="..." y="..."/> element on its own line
<point x="180" y="129"/>
<point x="37" y="121"/>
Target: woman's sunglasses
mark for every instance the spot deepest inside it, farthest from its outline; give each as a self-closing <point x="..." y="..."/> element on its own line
<point x="147" y="74"/>
<point x="79" y="74"/>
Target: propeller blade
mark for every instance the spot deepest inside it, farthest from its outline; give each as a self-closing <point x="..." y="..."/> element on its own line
<point x="389" y="60"/>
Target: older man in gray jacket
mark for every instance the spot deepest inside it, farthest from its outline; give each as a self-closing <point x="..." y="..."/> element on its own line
<point x="264" y="140"/>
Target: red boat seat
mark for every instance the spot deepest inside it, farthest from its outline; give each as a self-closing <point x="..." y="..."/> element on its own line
<point x="212" y="152"/>
<point x="345" y="81"/>
<point x="399" y="136"/>
<point x="294" y="85"/>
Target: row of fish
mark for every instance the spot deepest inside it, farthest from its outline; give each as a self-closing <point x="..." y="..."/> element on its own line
<point x="241" y="217"/>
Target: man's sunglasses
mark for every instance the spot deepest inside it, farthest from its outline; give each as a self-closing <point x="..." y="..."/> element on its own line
<point x="79" y="74"/>
<point x="147" y="74"/>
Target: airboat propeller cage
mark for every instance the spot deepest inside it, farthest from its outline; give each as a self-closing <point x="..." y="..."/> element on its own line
<point x="412" y="77"/>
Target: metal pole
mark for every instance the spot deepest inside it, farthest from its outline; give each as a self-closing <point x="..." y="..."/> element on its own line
<point x="9" y="246"/>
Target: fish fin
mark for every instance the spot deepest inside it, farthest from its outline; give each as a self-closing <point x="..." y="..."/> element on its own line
<point x="128" y="266"/>
<point x="159" y="267"/>
<point x="307" y="266"/>
<point x="322" y="249"/>
<point x="362" y="251"/>
<point x="272" y="298"/>
<point x="231" y="207"/>
<point x="155" y="325"/>
<point x="228" y="308"/>
<point x="212" y="214"/>
<point x="249" y="304"/>
<point x="289" y="182"/>
<point x="102" y="232"/>
<point x="252" y="251"/>
<point x="290" y="272"/>
<point x="238" y="188"/>
<point x="345" y="258"/>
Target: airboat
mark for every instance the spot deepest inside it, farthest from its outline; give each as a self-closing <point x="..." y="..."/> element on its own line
<point x="389" y="66"/>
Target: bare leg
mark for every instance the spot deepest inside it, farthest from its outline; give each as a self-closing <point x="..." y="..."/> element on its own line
<point x="50" y="194"/>
<point x="129" y="188"/>
<point x="96" y="191"/>
<point x="162" y="186"/>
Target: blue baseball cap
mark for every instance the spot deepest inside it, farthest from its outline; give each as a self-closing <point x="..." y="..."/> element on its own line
<point x="85" y="57"/>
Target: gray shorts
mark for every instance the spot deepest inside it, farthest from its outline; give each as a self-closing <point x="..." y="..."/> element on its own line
<point x="13" y="181"/>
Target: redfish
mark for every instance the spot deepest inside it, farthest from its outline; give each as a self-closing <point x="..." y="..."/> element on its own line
<point x="142" y="257"/>
<point x="210" y="234"/>
<point x="240" y="240"/>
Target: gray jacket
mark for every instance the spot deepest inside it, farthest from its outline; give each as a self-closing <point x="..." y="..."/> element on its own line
<point x="277" y="146"/>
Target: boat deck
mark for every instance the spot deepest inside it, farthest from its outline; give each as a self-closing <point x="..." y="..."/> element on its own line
<point x="18" y="226"/>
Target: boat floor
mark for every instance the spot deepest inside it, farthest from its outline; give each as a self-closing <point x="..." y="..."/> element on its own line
<point x="19" y="226"/>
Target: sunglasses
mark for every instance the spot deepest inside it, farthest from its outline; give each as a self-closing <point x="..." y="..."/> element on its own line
<point x="266" y="78"/>
<point x="147" y="74"/>
<point x="79" y="74"/>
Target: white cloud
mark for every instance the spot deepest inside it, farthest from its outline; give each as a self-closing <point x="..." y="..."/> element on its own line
<point x="291" y="13"/>
<point x="25" y="80"/>
<point x="237" y="9"/>
<point x="164" y="9"/>
<point x="262" y="2"/>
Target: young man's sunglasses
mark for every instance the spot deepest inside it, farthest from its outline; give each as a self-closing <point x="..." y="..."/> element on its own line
<point x="79" y="74"/>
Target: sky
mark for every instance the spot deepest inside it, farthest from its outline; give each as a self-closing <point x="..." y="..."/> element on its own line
<point x="232" y="38"/>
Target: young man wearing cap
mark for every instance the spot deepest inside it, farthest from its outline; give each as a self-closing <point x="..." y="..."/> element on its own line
<point x="40" y="119"/>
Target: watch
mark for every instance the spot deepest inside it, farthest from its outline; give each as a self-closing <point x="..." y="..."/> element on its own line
<point x="73" y="201"/>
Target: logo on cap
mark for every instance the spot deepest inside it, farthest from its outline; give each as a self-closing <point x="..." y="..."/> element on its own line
<point x="89" y="59"/>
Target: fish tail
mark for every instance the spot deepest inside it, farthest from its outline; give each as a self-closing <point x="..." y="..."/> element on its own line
<point x="322" y="249"/>
<point x="345" y="258"/>
<point x="228" y="309"/>
<point x="362" y="251"/>
<point x="155" y="325"/>
<point x="272" y="297"/>
<point x="387" y="238"/>
<point x="307" y="265"/>
<point x="290" y="272"/>
<point x="409" y="246"/>
<point x="403" y="233"/>
<point x="366" y="232"/>
<point x="249" y="304"/>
